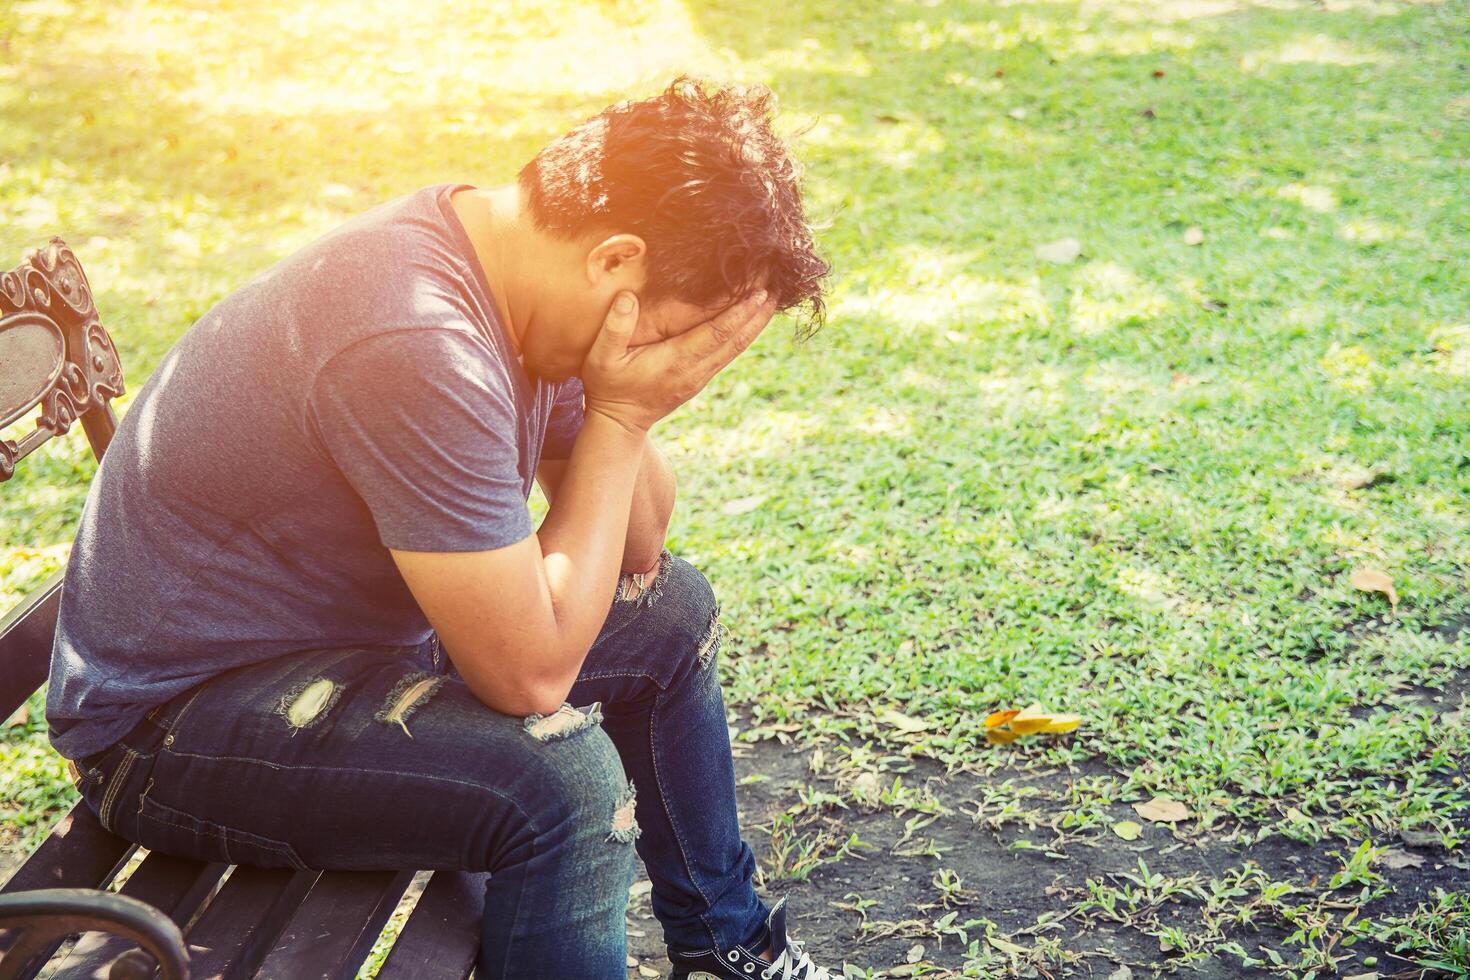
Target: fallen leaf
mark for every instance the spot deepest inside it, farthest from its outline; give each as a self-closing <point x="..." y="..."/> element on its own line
<point x="1000" y="736"/>
<point x="865" y="789"/>
<point x="1000" y="717"/>
<point x="1029" y="719"/>
<point x="916" y="953"/>
<point x="644" y="970"/>
<point x="1358" y="477"/>
<point x="1194" y="235"/>
<point x="1017" y="113"/>
<point x="1059" y="724"/>
<point x="1372" y="580"/>
<point x="1421" y="838"/>
<point x="22" y="716"/>
<point x="1061" y="251"/>
<point x="1370" y="975"/>
<point x="1128" y="830"/>
<point x="1009" y="948"/>
<point x="742" y="505"/>
<point x="1121" y="973"/>
<point x="1161" y="809"/>
<point x="1397" y="858"/>
<point x="640" y="888"/>
<point x="901" y="721"/>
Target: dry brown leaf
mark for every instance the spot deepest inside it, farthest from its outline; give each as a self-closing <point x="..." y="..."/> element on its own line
<point x="1358" y="477"/>
<point x="1372" y="580"/>
<point x="22" y="716"/>
<point x="1397" y="858"/>
<point x="742" y="505"/>
<point x="901" y="721"/>
<point x="1421" y="838"/>
<point x="1161" y="809"/>
<point x="1061" y="251"/>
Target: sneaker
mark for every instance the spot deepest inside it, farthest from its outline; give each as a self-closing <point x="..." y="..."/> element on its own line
<point x="742" y="962"/>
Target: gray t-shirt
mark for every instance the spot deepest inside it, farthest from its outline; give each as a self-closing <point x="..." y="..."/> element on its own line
<point x="359" y="395"/>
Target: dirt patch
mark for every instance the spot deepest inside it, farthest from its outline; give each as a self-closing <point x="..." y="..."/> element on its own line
<point x="901" y="882"/>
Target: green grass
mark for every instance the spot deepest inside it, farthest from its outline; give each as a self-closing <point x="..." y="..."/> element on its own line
<point x="1122" y="486"/>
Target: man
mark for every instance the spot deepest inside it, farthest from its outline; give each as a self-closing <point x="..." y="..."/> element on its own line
<point x="307" y="622"/>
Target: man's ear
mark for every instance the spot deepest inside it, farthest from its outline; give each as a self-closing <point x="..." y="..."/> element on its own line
<point x="616" y="262"/>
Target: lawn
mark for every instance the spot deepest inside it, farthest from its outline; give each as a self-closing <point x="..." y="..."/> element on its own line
<point x="1131" y="478"/>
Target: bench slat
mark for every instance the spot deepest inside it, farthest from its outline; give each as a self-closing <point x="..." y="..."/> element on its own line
<point x="26" y="634"/>
<point x="335" y="928"/>
<point x="442" y="936"/>
<point x="79" y="853"/>
<point x="173" y="885"/>
<point x="240" y="925"/>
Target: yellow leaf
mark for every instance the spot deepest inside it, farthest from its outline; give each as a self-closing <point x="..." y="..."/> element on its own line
<point x="1030" y="719"/>
<point x="1058" y="724"/>
<point x="1161" y="809"/>
<point x="1127" y="829"/>
<point x="1000" y="736"/>
<point x="1372" y="580"/>
<point x="1000" y="717"/>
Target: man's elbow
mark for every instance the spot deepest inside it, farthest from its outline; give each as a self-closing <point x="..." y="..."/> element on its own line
<point x="643" y="559"/>
<point x="523" y="689"/>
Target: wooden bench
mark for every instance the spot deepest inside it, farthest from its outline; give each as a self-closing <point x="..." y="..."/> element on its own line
<point x="192" y="918"/>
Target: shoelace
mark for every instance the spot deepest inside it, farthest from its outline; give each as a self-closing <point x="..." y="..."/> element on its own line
<point x="793" y="964"/>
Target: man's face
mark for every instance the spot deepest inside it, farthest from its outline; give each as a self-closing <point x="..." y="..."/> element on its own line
<point x="556" y="354"/>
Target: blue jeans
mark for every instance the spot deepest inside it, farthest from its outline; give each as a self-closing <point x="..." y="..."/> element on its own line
<point x="381" y="758"/>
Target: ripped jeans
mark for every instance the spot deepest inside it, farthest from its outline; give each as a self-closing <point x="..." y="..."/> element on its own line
<point x="381" y="758"/>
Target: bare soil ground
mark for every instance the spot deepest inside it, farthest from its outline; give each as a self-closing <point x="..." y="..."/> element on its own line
<point x="1014" y="887"/>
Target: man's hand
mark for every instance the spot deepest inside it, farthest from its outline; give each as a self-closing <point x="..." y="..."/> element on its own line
<point x="637" y="386"/>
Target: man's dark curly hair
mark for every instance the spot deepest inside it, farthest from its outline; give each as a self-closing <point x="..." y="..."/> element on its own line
<point x="697" y="173"/>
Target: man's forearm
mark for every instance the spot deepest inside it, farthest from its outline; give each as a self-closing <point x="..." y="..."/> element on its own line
<point x="653" y="504"/>
<point x="583" y="528"/>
